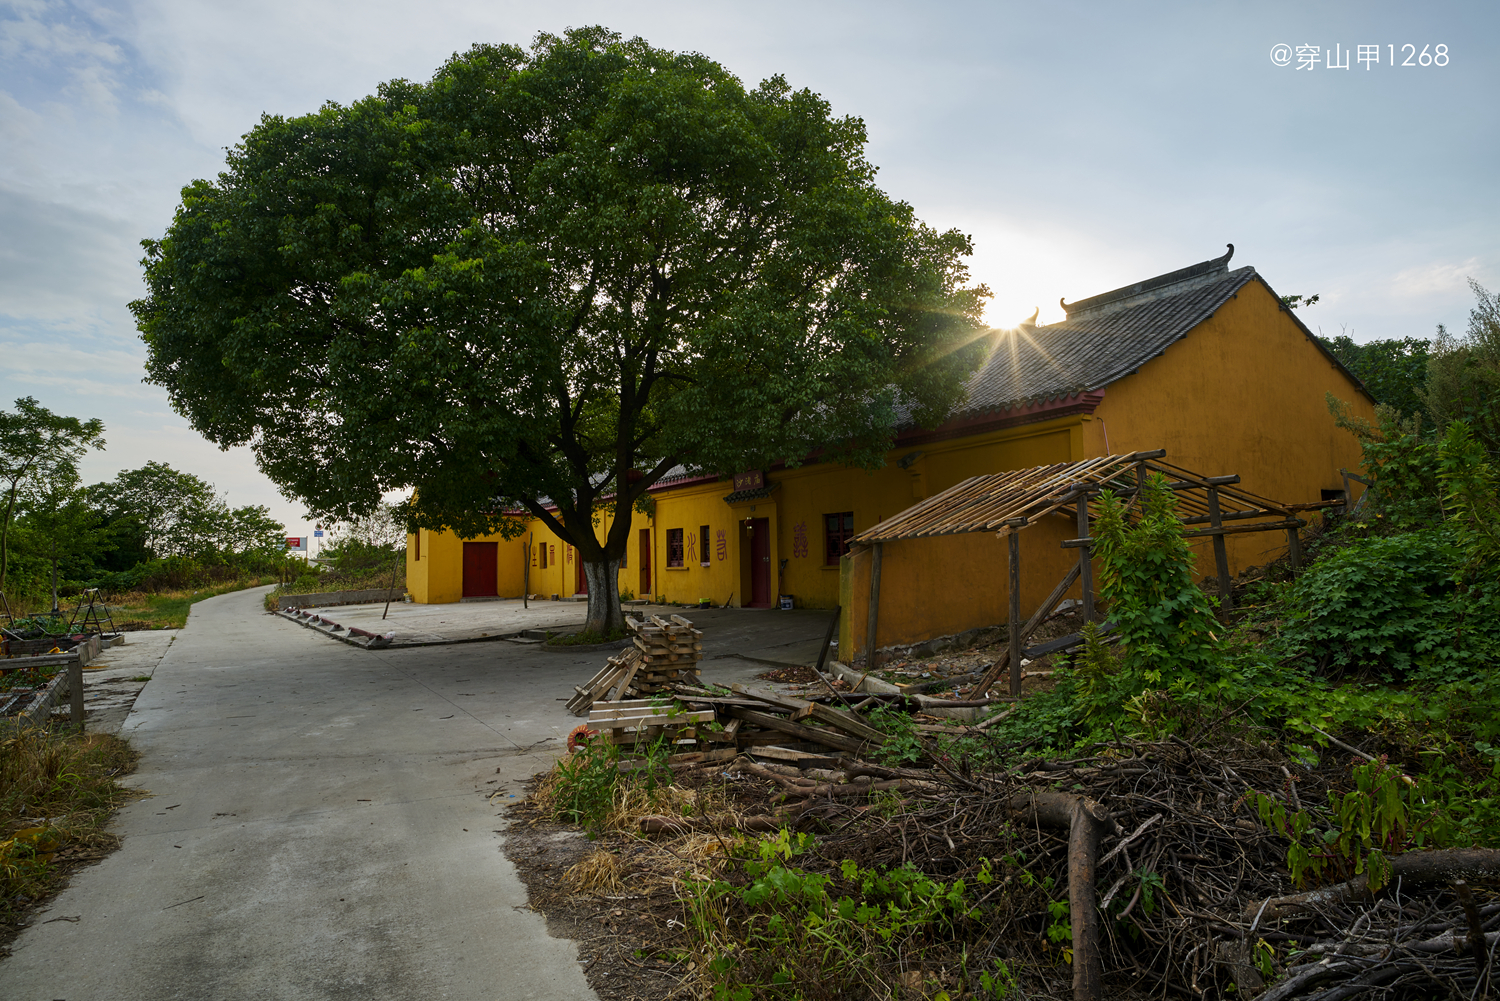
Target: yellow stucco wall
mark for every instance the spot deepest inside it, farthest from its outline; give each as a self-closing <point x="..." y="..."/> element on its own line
<point x="1255" y="386"/>
<point x="795" y="511"/>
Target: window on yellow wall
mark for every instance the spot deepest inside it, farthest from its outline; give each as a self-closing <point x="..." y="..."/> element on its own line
<point x="417" y="547"/>
<point x="838" y="531"/>
<point x="674" y="547"/>
<point x="703" y="544"/>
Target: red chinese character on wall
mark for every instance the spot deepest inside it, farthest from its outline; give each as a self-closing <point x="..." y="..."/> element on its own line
<point x="799" y="539"/>
<point x="691" y="545"/>
<point x="721" y="546"/>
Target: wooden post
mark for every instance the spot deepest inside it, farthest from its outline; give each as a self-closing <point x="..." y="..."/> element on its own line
<point x="1221" y="552"/>
<point x="526" y="572"/>
<point x="1085" y="568"/>
<point x="828" y="638"/>
<point x="1294" y="548"/>
<point x="1015" y="612"/>
<point x="872" y="619"/>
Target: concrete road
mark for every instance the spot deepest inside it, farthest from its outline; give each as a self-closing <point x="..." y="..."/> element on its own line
<point x="318" y="827"/>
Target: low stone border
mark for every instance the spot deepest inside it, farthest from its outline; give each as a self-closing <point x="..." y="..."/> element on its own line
<point x="324" y="599"/>
<point x="41" y="707"/>
<point x="349" y="634"/>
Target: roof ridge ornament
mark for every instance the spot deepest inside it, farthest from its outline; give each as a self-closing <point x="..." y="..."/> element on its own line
<point x="1152" y="288"/>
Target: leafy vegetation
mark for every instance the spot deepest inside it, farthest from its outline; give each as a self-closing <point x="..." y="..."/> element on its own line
<point x="56" y="792"/>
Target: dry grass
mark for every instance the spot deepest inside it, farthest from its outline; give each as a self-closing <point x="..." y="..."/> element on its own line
<point x="599" y="872"/>
<point x="57" y="790"/>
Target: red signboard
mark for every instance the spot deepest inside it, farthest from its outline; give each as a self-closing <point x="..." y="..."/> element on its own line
<point x="753" y="480"/>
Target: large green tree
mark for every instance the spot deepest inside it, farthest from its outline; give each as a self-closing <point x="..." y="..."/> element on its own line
<point x="36" y="442"/>
<point x="543" y="279"/>
<point x="179" y="514"/>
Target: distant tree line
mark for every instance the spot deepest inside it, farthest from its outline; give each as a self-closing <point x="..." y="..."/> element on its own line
<point x="1436" y="382"/>
<point x="152" y="528"/>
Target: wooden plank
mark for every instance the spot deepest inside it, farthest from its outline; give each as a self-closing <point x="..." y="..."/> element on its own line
<point x="656" y="719"/>
<point x="1085" y="564"/>
<point x="827" y="738"/>
<point x="1221" y="552"/>
<point x="635" y="665"/>
<point x="1043" y="610"/>
<point x="1015" y="614"/>
<point x="833" y="624"/>
<point x="872" y="614"/>
<point x="810" y="759"/>
<point x="682" y="622"/>
<point x="842" y="719"/>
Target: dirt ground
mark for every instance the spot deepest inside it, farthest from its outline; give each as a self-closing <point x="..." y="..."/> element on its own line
<point x="620" y="935"/>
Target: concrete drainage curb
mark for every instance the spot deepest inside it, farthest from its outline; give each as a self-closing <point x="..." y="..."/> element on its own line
<point x="350" y="634"/>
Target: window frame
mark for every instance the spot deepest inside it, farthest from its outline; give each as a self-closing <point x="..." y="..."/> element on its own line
<point x="675" y="549"/>
<point x="834" y="550"/>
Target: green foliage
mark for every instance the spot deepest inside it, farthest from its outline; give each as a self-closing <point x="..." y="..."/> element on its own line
<point x="1366" y="825"/>
<point x="1463" y="376"/>
<point x="179" y="514"/>
<point x="1388" y="606"/>
<point x="1473" y="494"/>
<point x="1165" y="623"/>
<point x="1394" y="372"/>
<point x="780" y="931"/>
<point x="903" y="746"/>
<point x="37" y="444"/>
<point x="585" y="785"/>
<point x="1401" y="464"/>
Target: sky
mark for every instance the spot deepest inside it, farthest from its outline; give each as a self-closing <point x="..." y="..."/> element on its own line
<point x="1083" y="146"/>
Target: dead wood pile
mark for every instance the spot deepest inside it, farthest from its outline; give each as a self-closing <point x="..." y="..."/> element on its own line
<point x="1173" y="885"/>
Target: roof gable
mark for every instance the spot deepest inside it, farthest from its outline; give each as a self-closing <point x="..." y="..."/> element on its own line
<point x="1106" y="337"/>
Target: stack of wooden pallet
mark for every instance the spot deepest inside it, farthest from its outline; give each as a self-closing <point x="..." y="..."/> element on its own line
<point x="662" y="653"/>
<point x="669" y="653"/>
<point x="640" y="722"/>
<point x="619" y="671"/>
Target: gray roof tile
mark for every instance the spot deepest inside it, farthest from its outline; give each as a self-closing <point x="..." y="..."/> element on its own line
<point x="1103" y="338"/>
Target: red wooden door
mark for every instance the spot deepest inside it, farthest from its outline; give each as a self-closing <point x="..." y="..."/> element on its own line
<point x="645" y="563"/>
<point x="760" y="562"/>
<point x="479" y="570"/>
<point x="581" y="580"/>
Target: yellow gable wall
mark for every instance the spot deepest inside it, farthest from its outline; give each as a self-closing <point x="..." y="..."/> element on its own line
<point x="1243" y="392"/>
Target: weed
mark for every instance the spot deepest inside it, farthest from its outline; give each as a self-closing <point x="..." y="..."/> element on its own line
<point x="68" y="779"/>
<point x="902" y="745"/>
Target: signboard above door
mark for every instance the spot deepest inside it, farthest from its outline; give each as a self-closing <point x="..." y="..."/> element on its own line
<point x="755" y="479"/>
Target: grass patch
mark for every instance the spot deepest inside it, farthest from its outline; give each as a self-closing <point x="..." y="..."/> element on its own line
<point x="57" y="790"/>
<point x="169" y="609"/>
<point x="369" y="579"/>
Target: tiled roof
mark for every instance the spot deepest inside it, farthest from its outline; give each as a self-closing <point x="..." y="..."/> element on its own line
<point x="1102" y="339"/>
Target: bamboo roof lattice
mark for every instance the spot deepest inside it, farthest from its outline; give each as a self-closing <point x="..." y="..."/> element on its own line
<point x="986" y="503"/>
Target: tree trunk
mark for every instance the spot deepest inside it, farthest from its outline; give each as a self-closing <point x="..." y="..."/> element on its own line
<point x="54" y="578"/>
<point x="604" y="616"/>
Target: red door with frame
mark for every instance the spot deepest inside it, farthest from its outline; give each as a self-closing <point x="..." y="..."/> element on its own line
<point x="645" y="562"/>
<point x="479" y="570"/>
<point x="760" y="562"/>
<point x="580" y="579"/>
